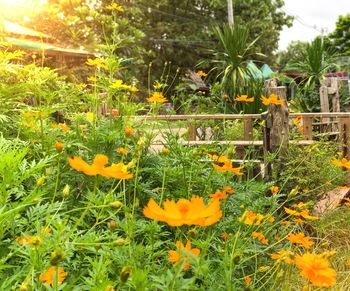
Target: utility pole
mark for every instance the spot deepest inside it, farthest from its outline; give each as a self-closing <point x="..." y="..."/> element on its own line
<point x="230" y="12"/>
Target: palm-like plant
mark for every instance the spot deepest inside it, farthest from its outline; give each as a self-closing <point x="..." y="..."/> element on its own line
<point x="315" y="61"/>
<point x="230" y="66"/>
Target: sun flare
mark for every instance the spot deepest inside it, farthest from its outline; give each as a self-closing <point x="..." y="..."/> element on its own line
<point x="14" y="9"/>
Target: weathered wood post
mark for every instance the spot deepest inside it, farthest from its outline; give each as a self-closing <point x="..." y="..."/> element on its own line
<point x="324" y="107"/>
<point x="192" y="130"/>
<point x="345" y="136"/>
<point x="276" y="132"/>
<point x="307" y="128"/>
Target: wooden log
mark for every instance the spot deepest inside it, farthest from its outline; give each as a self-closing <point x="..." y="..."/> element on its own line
<point x="248" y="129"/>
<point x="280" y="123"/>
<point x="345" y="136"/>
<point x="307" y="128"/>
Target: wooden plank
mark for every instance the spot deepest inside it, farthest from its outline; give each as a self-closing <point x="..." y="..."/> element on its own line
<point x="244" y="143"/>
<point x="248" y="129"/>
<point x="307" y="127"/>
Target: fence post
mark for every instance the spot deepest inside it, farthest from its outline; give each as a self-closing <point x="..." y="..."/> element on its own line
<point x="307" y="127"/>
<point x="345" y="136"/>
<point x="248" y="129"/>
<point x="192" y="130"/>
<point x="324" y="106"/>
<point x="266" y="144"/>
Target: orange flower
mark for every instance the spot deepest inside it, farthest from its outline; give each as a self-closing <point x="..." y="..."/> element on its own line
<point x="229" y="190"/>
<point x="297" y="122"/>
<point x="122" y="151"/>
<point x="157" y="97"/>
<point x="218" y="195"/>
<point x="115" y="112"/>
<point x="300" y="238"/>
<point x="225" y="165"/>
<point x="61" y="126"/>
<point x="316" y="269"/>
<point x="129" y="131"/>
<point x="247" y="280"/>
<point x="343" y="163"/>
<point x="274" y="189"/>
<point x="347" y="262"/>
<point x="273" y="99"/>
<point x="49" y="276"/>
<point x="59" y="146"/>
<point x="304" y="213"/>
<point x="184" y="212"/>
<point x="260" y="236"/>
<point x="285" y="222"/>
<point x="183" y="254"/>
<point x="31" y="240"/>
<point x="117" y="171"/>
<point x="244" y="98"/>
<point x="298" y="220"/>
<point x="225" y="236"/>
<point x="284" y="256"/>
<point x="252" y="218"/>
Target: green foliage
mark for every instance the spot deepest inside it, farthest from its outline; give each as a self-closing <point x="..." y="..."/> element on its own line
<point x="339" y="38"/>
<point x="308" y="173"/>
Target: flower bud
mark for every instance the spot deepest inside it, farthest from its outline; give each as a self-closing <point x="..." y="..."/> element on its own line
<point x="59" y="146"/>
<point x="109" y="288"/>
<point x="66" y="191"/>
<point x="165" y="151"/>
<point x="112" y="225"/>
<point x="116" y="204"/>
<point x="120" y="242"/>
<point x="56" y="257"/>
<point x="40" y="181"/>
<point x="125" y="274"/>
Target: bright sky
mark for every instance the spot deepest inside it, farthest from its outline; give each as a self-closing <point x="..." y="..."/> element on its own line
<point x="310" y="13"/>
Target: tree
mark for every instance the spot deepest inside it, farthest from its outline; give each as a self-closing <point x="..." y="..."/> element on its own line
<point x="293" y="54"/>
<point x="176" y="32"/>
<point x="340" y="37"/>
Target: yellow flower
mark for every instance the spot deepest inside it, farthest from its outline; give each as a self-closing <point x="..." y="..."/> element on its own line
<point x="92" y="79"/>
<point x="98" y="167"/>
<point x="61" y="126"/>
<point x="284" y="256"/>
<point x="244" y="98"/>
<point x="157" y="97"/>
<point x="229" y="190"/>
<point x="252" y="218"/>
<point x="81" y="85"/>
<point x="99" y="63"/>
<point x="260" y="236"/>
<point x="49" y="275"/>
<point x="116" y="7"/>
<point x="225" y="165"/>
<point x="201" y="74"/>
<point x="122" y="151"/>
<point x="316" y="269"/>
<point x="119" y="84"/>
<point x="183" y="254"/>
<point x="273" y="99"/>
<point x="90" y="116"/>
<point x="184" y="212"/>
<point x="165" y="151"/>
<point x="343" y="163"/>
<point x="300" y="238"/>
